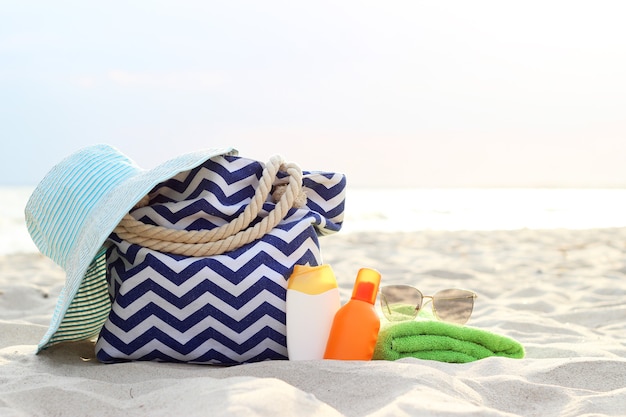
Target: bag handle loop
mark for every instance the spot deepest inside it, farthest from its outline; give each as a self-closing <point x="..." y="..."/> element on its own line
<point x="229" y="236"/>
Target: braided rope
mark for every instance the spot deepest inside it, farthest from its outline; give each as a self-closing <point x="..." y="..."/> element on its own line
<point x="231" y="235"/>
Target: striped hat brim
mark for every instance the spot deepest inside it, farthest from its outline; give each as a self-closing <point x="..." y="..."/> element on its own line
<point x="71" y="214"/>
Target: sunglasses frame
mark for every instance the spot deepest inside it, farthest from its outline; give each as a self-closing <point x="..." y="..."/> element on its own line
<point x="384" y="304"/>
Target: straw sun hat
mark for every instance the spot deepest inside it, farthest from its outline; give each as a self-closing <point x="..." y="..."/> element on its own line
<point x="70" y="215"/>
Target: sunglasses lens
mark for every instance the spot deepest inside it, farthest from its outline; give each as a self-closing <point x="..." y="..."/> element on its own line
<point x="400" y="302"/>
<point x="454" y="306"/>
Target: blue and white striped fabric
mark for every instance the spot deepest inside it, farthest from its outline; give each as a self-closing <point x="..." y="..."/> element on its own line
<point x="222" y="309"/>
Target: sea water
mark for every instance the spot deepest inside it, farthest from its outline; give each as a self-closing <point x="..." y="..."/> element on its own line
<point x="483" y="209"/>
<point x="14" y="237"/>
<point x="394" y="210"/>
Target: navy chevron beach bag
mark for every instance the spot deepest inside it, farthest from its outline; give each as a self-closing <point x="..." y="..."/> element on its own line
<point x="198" y="271"/>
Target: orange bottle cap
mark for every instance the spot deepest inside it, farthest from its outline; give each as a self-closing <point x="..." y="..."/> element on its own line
<point x="366" y="286"/>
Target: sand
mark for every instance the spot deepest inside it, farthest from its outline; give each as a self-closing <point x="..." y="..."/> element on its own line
<point x="560" y="293"/>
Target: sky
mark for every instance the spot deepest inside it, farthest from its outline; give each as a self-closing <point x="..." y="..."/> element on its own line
<point x="391" y="93"/>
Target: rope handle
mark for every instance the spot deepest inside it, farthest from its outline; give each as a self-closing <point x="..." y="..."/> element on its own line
<point x="288" y="193"/>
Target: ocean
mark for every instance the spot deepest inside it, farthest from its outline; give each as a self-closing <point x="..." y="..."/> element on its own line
<point x="394" y="210"/>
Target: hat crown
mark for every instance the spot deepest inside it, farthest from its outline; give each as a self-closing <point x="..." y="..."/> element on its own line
<point x="62" y="202"/>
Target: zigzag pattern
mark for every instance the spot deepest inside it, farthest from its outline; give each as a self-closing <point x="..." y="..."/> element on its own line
<point x="223" y="309"/>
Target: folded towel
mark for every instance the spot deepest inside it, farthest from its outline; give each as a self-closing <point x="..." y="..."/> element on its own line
<point x="441" y="341"/>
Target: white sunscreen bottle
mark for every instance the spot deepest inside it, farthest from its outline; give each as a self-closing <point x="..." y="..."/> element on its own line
<point x="312" y="301"/>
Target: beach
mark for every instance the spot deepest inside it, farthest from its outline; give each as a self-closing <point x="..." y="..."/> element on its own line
<point x="476" y="147"/>
<point x="559" y="293"/>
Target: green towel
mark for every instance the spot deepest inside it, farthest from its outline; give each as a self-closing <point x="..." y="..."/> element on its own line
<point x="441" y="341"/>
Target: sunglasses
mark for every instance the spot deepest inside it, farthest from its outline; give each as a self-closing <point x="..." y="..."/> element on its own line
<point x="403" y="302"/>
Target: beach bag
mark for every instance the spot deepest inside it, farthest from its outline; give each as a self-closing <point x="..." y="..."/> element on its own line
<point x="198" y="271"/>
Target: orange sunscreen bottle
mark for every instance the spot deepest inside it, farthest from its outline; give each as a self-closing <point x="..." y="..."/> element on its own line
<point x="356" y="324"/>
<point x="312" y="301"/>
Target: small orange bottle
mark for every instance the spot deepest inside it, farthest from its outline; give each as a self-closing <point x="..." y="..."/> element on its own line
<point x="355" y="326"/>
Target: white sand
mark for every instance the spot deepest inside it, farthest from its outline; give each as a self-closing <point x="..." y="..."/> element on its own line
<point x="561" y="293"/>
